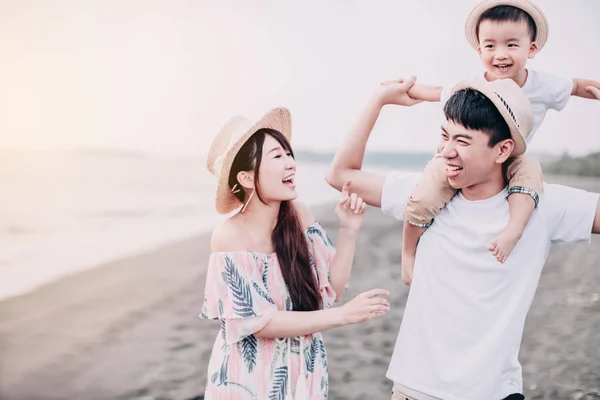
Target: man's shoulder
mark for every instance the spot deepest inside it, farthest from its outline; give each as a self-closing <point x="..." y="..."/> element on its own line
<point x="552" y="196"/>
<point x="569" y="212"/>
<point x="397" y="187"/>
<point x="558" y="198"/>
<point x="400" y="180"/>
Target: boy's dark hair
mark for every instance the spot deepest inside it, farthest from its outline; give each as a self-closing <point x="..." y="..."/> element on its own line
<point x="508" y="14"/>
<point x="471" y="109"/>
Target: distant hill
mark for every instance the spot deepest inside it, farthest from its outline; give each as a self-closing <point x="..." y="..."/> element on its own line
<point x="588" y="165"/>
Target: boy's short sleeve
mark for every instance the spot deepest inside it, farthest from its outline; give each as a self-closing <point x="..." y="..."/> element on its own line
<point x="396" y="192"/>
<point x="555" y="91"/>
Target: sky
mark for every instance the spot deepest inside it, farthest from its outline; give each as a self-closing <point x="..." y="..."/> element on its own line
<point x="163" y="76"/>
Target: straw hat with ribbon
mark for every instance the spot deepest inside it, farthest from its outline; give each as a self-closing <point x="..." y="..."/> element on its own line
<point x="513" y="105"/>
<point x="229" y="141"/>
<point x="541" y="23"/>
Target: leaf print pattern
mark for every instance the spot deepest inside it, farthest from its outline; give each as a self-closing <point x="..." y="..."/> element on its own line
<point x="279" y="384"/>
<point x="313" y="230"/>
<point x="242" y="387"/>
<point x="310" y="354"/>
<point x="265" y="273"/>
<point x="313" y="266"/>
<point x="223" y="371"/>
<point x="220" y="308"/>
<point x="242" y="298"/>
<point x="248" y="350"/>
<point x="324" y="386"/>
<point x="204" y="312"/>
<point x="224" y="276"/>
<point x="322" y="349"/>
<point x="262" y="293"/>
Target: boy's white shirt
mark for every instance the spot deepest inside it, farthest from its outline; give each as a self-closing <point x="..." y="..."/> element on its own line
<point x="464" y="318"/>
<point x="544" y="91"/>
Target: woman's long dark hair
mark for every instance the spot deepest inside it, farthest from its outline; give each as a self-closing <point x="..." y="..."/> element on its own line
<point x="288" y="236"/>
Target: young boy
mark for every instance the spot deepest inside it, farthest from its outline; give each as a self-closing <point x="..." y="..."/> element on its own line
<point x="505" y="34"/>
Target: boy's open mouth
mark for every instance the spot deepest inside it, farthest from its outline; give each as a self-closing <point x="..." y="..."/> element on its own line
<point x="503" y="67"/>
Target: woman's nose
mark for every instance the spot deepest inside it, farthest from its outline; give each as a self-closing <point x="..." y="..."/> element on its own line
<point x="291" y="163"/>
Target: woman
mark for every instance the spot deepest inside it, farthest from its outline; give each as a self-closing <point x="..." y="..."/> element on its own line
<point x="273" y="273"/>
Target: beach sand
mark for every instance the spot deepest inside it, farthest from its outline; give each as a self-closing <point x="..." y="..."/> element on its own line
<point x="129" y="329"/>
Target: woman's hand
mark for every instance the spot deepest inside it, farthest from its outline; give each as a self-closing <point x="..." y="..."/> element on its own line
<point x="350" y="209"/>
<point x="365" y="306"/>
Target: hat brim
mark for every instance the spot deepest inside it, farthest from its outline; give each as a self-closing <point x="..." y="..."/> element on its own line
<point x="278" y="119"/>
<point x="488" y="91"/>
<point x="541" y="23"/>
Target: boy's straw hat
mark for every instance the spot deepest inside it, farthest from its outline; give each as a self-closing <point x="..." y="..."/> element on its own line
<point x="513" y="105"/>
<point x="541" y="23"/>
<point x="229" y="141"/>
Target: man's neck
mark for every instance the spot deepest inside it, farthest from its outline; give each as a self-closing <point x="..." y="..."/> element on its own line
<point x="485" y="190"/>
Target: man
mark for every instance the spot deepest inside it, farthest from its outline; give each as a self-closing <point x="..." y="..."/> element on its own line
<point x="464" y="318"/>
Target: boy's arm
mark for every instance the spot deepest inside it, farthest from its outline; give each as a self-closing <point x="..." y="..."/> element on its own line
<point x="348" y="159"/>
<point x="425" y="92"/>
<point x="594" y="91"/>
<point x="580" y="88"/>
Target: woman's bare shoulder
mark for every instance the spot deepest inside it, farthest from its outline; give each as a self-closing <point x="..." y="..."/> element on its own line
<point x="226" y="236"/>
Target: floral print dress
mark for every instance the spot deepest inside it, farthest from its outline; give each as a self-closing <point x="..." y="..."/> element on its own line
<point x="243" y="290"/>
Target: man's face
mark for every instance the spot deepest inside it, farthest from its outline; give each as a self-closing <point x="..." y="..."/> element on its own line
<point x="505" y="47"/>
<point x="469" y="159"/>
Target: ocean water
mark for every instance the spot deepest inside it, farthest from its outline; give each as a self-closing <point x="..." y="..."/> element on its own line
<point x="63" y="212"/>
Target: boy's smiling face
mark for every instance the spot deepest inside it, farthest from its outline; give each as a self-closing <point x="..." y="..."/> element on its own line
<point x="504" y="48"/>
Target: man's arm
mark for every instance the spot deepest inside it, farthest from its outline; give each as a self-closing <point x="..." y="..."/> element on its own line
<point x="581" y="88"/>
<point x="348" y="160"/>
<point x="347" y="163"/>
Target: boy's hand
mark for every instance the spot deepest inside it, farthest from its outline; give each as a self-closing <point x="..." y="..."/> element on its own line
<point x="396" y="92"/>
<point x="594" y="91"/>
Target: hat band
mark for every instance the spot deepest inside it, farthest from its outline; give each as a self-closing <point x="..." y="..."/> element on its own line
<point x="510" y="111"/>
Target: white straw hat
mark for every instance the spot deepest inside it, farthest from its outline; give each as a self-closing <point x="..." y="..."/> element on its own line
<point x="536" y="13"/>
<point x="229" y="141"/>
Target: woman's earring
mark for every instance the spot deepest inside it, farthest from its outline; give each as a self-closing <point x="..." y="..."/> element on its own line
<point x="249" y="198"/>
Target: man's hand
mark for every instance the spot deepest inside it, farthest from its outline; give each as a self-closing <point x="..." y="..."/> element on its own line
<point x="396" y="92"/>
<point x="594" y="91"/>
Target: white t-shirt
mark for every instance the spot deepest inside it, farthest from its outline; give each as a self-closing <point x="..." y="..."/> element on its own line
<point x="543" y="90"/>
<point x="464" y="318"/>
